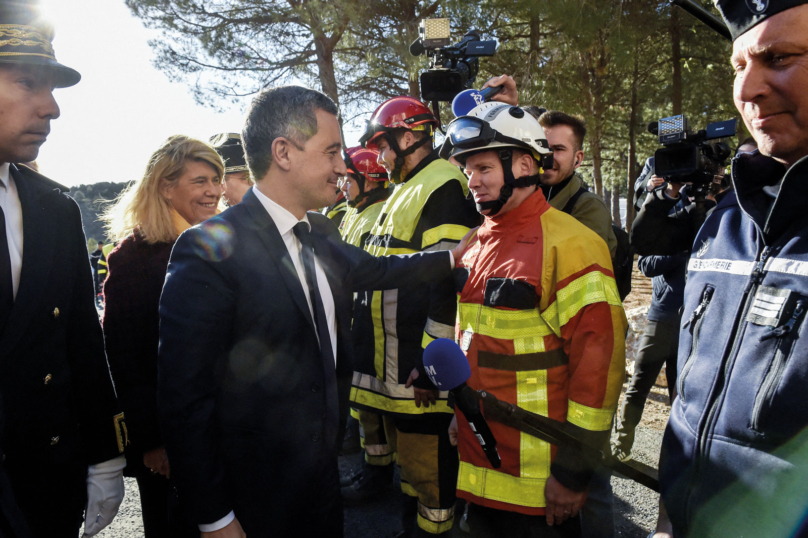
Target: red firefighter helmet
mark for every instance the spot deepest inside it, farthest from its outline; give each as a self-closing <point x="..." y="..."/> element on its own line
<point x="397" y="113"/>
<point x="364" y="162"/>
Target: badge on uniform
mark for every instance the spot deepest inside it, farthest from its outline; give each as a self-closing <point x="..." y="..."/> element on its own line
<point x="466" y="343"/>
<point x="771" y="305"/>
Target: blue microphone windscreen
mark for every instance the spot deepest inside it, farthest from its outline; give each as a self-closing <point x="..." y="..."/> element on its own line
<point x="465" y="101"/>
<point x="446" y="364"/>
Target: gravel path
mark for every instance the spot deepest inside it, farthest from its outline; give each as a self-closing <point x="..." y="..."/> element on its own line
<point x="635" y="505"/>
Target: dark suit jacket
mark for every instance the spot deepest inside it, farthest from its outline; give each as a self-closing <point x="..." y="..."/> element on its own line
<point x="58" y="396"/>
<point x="241" y="382"/>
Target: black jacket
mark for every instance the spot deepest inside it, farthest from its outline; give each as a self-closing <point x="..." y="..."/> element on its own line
<point x="59" y="400"/>
<point x="241" y="383"/>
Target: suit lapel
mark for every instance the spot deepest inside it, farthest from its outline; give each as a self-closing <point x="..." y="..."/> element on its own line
<point x="39" y="231"/>
<point x="272" y="240"/>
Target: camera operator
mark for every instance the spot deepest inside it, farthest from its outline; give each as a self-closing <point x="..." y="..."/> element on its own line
<point x="667" y="223"/>
<point x="731" y="461"/>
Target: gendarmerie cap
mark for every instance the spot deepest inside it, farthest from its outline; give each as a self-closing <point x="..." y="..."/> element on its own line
<point x="742" y="15"/>
<point x="230" y="149"/>
<point x="25" y="39"/>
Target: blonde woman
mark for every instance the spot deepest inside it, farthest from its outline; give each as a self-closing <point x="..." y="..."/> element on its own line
<point x="182" y="187"/>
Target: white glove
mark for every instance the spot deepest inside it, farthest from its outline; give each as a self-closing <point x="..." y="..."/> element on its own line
<point x="104" y="494"/>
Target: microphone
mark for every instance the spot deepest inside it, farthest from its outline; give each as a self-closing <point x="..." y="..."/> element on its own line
<point x="448" y="369"/>
<point x="468" y="99"/>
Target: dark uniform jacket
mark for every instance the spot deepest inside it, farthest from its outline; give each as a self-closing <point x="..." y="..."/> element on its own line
<point x="58" y="396"/>
<point x="736" y="447"/>
<point x="242" y="389"/>
<point x="131" y="323"/>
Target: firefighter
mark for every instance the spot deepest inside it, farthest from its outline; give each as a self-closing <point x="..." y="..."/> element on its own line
<point x="541" y="323"/>
<point x="366" y="188"/>
<point x="427" y="210"/>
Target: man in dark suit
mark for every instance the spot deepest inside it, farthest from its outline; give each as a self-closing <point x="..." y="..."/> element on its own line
<point x="63" y="433"/>
<point x="255" y="348"/>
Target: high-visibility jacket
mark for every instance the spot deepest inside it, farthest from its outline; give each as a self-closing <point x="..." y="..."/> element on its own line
<point x="357" y="223"/>
<point x="429" y="211"/>
<point x="336" y="212"/>
<point x="542" y="325"/>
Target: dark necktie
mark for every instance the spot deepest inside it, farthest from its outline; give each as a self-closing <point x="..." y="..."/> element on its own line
<point x="6" y="285"/>
<point x="301" y="231"/>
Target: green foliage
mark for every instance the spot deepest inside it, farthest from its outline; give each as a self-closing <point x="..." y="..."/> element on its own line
<point x="92" y="200"/>
<point x="610" y="61"/>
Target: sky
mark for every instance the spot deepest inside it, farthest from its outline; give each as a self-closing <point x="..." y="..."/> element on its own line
<point x="123" y="108"/>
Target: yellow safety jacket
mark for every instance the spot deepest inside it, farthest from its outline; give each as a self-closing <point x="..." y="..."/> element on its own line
<point x="356" y="225"/>
<point x="429" y="211"/>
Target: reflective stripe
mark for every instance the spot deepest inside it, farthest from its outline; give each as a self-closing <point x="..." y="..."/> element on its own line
<point x="528" y="344"/>
<point x="589" y="418"/>
<point x="443" y="245"/>
<point x="502" y="487"/>
<point x="377" y="450"/>
<point x="502" y="324"/>
<point x="435" y="520"/>
<point x="452" y="232"/>
<point x="785" y="265"/>
<point x="524" y="362"/>
<point x="439" y="330"/>
<point x="355" y="413"/>
<point x="426" y="340"/>
<point x="531" y="395"/>
<point x="718" y="265"/>
<point x="594" y="287"/>
<point x="392" y="397"/>
<point x="380" y="461"/>
<point x="389" y="311"/>
<point x="378" y="333"/>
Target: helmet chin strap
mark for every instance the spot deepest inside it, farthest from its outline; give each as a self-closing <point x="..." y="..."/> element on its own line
<point x="360" y="182"/>
<point x="398" y="164"/>
<point x="511" y="183"/>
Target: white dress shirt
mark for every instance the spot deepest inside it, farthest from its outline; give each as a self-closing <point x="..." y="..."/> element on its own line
<point x="285" y="222"/>
<point x="10" y="202"/>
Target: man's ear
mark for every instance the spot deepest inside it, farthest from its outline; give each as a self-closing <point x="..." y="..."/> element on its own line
<point x="281" y="153"/>
<point x="579" y="158"/>
<point x="524" y="165"/>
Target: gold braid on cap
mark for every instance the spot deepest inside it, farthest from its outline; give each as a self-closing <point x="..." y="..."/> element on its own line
<point x="18" y="35"/>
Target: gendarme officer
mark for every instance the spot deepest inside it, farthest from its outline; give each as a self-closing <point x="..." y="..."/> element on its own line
<point x="735" y="453"/>
<point x="64" y="432"/>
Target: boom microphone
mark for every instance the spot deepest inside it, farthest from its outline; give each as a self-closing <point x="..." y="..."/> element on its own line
<point x="468" y="99"/>
<point x="448" y="369"/>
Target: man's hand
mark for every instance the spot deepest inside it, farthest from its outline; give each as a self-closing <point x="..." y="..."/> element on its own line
<point x="562" y="503"/>
<point x="453" y="431"/>
<point x="509" y="95"/>
<point x="157" y="461"/>
<point x="460" y="248"/>
<point x="232" y="530"/>
<point x="105" y="492"/>
<point x="654" y="182"/>
<point x="672" y="190"/>
<point x="422" y="396"/>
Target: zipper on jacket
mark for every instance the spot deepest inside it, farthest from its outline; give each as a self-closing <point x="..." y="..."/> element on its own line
<point x="712" y="405"/>
<point x="694" y="323"/>
<point x="785" y="336"/>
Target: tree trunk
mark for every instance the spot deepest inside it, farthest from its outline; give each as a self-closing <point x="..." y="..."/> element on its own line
<point x="676" y="60"/>
<point x="616" y="205"/>
<point x="325" y="67"/>
<point x="631" y="162"/>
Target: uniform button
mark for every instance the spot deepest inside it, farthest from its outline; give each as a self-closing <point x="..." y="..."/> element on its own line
<point x="54" y="440"/>
<point x="55" y="313"/>
<point x="315" y="387"/>
<point x="48" y="378"/>
<point x="315" y="437"/>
